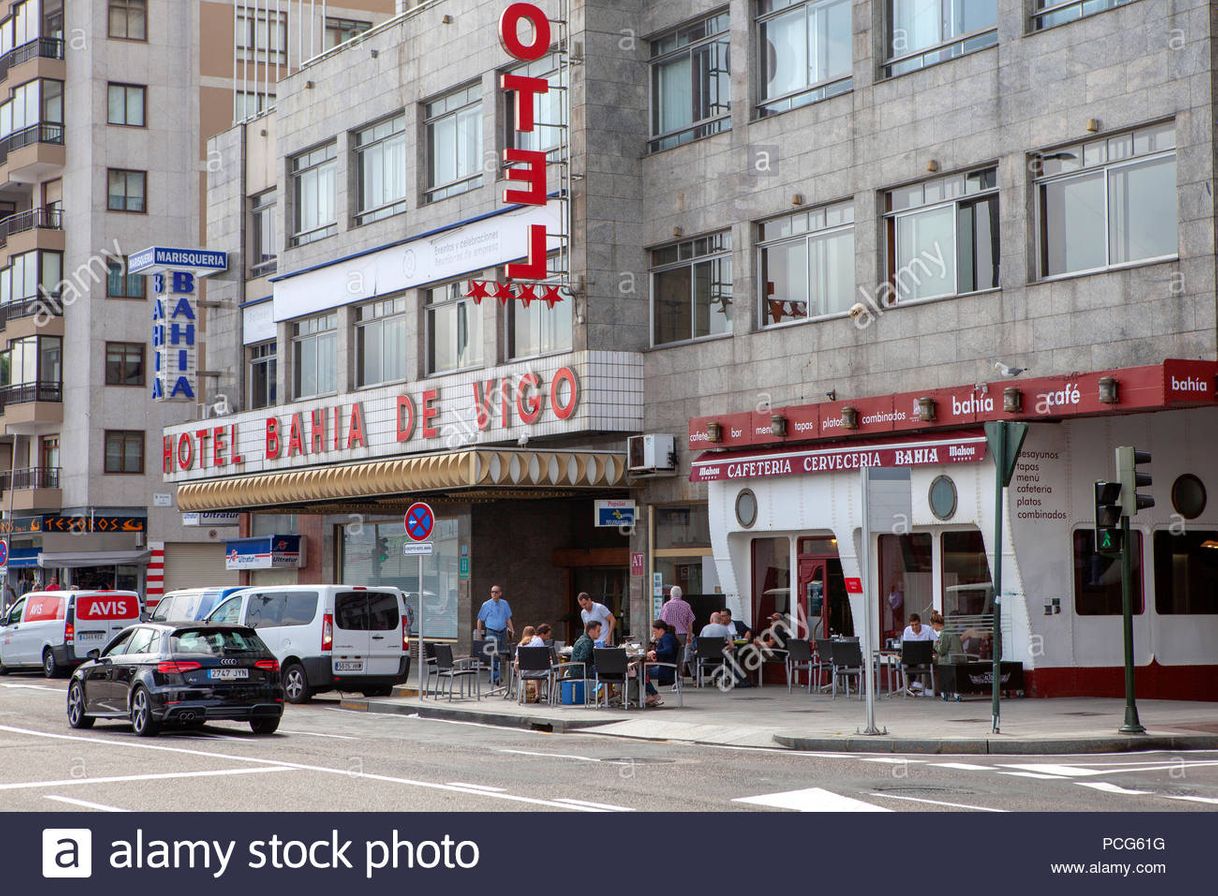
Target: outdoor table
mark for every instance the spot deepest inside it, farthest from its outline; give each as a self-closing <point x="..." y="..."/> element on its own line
<point x="977" y="677"/>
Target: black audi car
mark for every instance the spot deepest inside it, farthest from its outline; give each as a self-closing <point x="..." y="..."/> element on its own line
<point x="184" y="674"/>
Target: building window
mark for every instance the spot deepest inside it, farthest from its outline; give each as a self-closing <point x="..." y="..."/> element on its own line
<point x="454" y="330"/>
<point x="807" y="265"/>
<point x="124" y="451"/>
<point x="380" y="152"/>
<point x="248" y="104"/>
<point x="341" y="30"/>
<point x="454" y="138"/>
<point x="22" y="26"/>
<point x="691" y="288"/>
<point x="314" y="343"/>
<point x="907" y="579"/>
<point x="967" y="587"/>
<point x="691" y="90"/>
<point x="122" y="285"/>
<point x="262" y="36"/>
<point x="540" y="329"/>
<point x="923" y="32"/>
<point x="1054" y="12"/>
<point x="124" y="364"/>
<point x="129" y="19"/>
<point x="380" y="341"/>
<point x="315" y="214"/>
<point x="32" y="113"/>
<point x="31" y="369"/>
<point x="264" y="371"/>
<point x="1186" y="573"/>
<point x="126" y="103"/>
<point x="943" y="236"/>
<point x="31" y="275"/>
<point x="126" y="190"/>
<point x="806" y="47"/>
<point x="264" y="234"/>
<point x="549" y="109"/>
<point x="1108" y="202"/>
<point x="1097" y="577"/>
<point x="48" y="452"/>
<point x="771" y="577"/>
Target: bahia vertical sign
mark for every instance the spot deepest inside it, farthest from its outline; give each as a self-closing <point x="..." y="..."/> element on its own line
<point x="176" y="330"/>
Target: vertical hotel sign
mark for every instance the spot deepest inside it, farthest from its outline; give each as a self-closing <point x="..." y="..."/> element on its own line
<point x="176" y="331"/>
<point x="527" y="167"/>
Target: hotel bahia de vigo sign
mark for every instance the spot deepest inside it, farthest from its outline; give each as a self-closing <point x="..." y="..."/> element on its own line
<point x="526" y="166"/>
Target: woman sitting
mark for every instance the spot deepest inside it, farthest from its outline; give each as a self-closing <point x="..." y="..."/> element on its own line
<point x="665" y="648"/>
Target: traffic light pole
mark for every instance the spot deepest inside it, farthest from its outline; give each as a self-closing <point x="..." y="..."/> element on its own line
<point x="1132" y="724"/>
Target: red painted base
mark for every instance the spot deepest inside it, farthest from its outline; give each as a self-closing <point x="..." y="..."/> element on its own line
<point x="1154" y="682"/>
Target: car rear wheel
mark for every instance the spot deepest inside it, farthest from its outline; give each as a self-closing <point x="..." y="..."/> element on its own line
<point x="76" y="707"/>
<point x="142" y="721"/>
<point x="264" y="726"/>
<point x="382" y="691"/>
<point x="296" y="684"/>
<point x="50" y="668"/>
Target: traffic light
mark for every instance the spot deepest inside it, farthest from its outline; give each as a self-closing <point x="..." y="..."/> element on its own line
<point x="1128" y="459"/>
<point x="1107" y="517"/>
<point x="382" y="549"/>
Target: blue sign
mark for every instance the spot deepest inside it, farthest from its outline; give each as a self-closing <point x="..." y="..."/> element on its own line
<point x="174" y="340"/>
<point x="265" y="552"/>
<point x="3" y="553"/>
<point x="158" y="259"/>
<point x="615" y="513"/>
<point x="23" y="558"/>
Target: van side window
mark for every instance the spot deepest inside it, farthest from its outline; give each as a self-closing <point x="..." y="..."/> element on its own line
<point x="14" y="613"/>
<point x="351" y="611"/>
<point x="383" y="612"/>
<point x="162" y="609"/>
<point x="229" y="611"/>
<point x="264" y="610"/>
<point x="299" y="607"/>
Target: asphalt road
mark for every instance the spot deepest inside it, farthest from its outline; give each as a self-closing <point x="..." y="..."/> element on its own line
<point x="325" y="758"/>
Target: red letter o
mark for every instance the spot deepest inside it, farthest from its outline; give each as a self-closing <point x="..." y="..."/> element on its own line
<point x="564" y="411"/>
<point x="509" y="32"/>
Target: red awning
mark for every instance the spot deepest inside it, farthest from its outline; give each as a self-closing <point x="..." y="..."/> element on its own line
<point x="964" y="447"/>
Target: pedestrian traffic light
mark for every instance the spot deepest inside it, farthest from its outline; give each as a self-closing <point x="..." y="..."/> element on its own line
<point x="1107" y="517"/>
<point x="1128" y="459"/>
<point x="382" y="549"/>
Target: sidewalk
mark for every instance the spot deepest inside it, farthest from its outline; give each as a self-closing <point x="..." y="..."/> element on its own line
<point x="770" y="717"/>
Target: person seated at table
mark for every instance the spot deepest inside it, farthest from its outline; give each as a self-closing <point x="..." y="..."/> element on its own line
<point x="665" y="648"/>
<point x="740" y="630"/>
<point x="544" y="637"/>
<point x="528" y="638"/>
<point x="948" y="647"/>
<point x="916" y="631"/>
<point x="716" y="629"/>
<point x="775" y="634"/>
<point x="581" y="652"/>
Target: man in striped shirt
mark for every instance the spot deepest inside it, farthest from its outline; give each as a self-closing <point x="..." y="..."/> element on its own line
<point x="680" y="616"/>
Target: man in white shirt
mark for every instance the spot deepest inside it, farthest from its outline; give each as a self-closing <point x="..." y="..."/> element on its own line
<point x="591" y="611"/>
<point x="916" y="631"/>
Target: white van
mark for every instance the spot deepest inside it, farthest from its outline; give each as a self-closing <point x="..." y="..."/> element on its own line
<point x="190" y="604"/>
<point x="57" y="629"/>
<point x="328" y="637"/>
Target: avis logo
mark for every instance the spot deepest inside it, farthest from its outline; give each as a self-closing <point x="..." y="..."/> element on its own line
<point x="105" y="609"/>
<point x="67" y="852"/>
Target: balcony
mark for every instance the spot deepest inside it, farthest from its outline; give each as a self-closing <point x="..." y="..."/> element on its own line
<point x="35" y="228"/>
<point x="41" y="57"/>
<point x="35" y="488"/>
<point x="24" y="407"/>
<point x="32" y="154"/>
<point x="40" y="315"/>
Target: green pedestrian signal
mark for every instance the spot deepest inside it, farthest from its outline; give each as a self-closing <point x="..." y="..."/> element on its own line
<point x="1108" y="518"/>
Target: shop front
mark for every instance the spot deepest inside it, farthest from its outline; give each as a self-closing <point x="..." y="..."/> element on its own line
<point x="95" y="550"/>
<point x="786" y="525"/>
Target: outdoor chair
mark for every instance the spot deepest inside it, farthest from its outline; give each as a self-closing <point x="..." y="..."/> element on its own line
<point x="847" y="659"/>
<point x="678" y="685"/>
<point x="799" y="659"/>
<point x="429" y="669"/>
<point x="612" y="667"/>
<point x="917" y="659"/>
<point x="708" y="654"/>
<point x="533" y="664"/>
<point x="823" y="662"/>
<point x="454" y="671"/>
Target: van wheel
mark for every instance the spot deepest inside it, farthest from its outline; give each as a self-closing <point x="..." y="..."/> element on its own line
<point x="76" y="707"/>
<point x="264" y="726"/>
<point x="142" y="722"/>
<point x="50" y="668"/>
<point x="296" y="684"/>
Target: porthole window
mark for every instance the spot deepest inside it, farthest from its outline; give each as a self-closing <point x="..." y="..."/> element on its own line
<point x="746" y="508"/>
<point x="1188" y="496"/>
<point x="943" y="498"/>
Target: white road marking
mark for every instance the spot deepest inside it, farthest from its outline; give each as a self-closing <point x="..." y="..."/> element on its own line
<point x="316" y="734"/>
<point x="121" y="779"/>
<point x="278" y="763"/>
<point x="477" y="787"/>
<point x="914" y="799"/>
<point x="1105" y="787"/>
<point x="604" y="806"/>
<point x="1032" y="775"/>
<point x="1059" y="771"/>
<point x="891" y="760"/>
<point x="1196" y="799"/>
<point x="549" y="755"/>
<point x="814" y="799"/>
<point x="84" y="804"/>
<point x="1074" y="771"/>
<point x="35" y="687"/>
<point x="964" y="766"/>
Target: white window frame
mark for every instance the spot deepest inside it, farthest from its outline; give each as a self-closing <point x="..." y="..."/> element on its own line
<point x="313" y="334"/>
<point x="810" y="93"/>
<point x="467" y="98"/>
<point x="697" y="129"/>
<point x="818" y="227"/>
<point x="375" y="318"/>
<point x="313" y="167"/>
<point x="949" y="48"/>
<point x="453" y="297"/>
<point x="1051" y="9"/>
<point x="380" y="150"/>
<point x="692" y="261"/>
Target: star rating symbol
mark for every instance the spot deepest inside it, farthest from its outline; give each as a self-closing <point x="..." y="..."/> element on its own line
<point x="477" y="291"/>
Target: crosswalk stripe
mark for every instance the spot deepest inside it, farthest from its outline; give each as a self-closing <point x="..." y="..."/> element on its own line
<point x="1105" y="787"/>
<point x="964" y="766"/>
<point x="814" y="799"/>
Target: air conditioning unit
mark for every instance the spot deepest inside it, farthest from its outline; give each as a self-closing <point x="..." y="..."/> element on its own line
<point x="651" y="453"/>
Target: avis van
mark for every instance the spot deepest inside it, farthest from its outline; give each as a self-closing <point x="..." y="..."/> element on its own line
<point x="55" y="630"/>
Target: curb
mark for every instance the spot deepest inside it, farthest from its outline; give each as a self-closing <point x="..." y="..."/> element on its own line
<point x="998" y="746"/>
<point x="548" y="724"/>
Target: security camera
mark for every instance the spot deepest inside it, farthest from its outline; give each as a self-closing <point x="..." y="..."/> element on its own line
<point x="858" y="310"/>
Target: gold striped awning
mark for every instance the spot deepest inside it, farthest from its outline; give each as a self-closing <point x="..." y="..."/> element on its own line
<point x="476" y="469"/>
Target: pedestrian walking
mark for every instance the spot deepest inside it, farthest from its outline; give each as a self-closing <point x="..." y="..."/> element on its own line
<point x="680" y="618"/>
<point x="591" y="611"/>
<point x="495" y="618"/>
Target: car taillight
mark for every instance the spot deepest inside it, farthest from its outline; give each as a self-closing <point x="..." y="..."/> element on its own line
<point x="268" y="665"/>
<point x="177" y="668"/>
<point x="69" y="633"/>
<point x="327" y="632"/>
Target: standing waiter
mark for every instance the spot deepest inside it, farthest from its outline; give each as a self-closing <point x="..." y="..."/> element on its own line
<point x="496" y="618"/>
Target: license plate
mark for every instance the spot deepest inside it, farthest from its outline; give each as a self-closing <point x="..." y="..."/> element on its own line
<point x="90" y="636"/>
<point x="348" y="665"/>
<point x="228" y="674"/>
